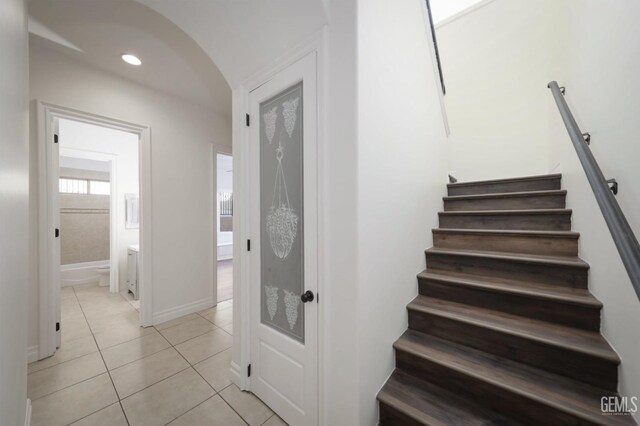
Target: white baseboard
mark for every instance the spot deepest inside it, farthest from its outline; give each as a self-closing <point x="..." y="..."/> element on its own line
<point x="33" y="353"/>
<point x="178" y="311"/>
<point x="27" y="415"/>
<point x="66" y="282"/>
<point x="235" y="375"/>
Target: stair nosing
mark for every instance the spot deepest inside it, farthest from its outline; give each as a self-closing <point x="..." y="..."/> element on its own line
<point x="522" y="194"/>
<point x="514" y="232"/>
<point x="568" y="261"/>
<point x="506" y="212"/>
<point x="515" y="288"/>
<point x="538" y="397"/>
<point x="505" y="180"/>
<point x="388" y="397"/>
<point x="609" y="356"/>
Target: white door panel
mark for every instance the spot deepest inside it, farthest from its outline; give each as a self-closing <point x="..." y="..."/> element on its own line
<point x="283" y="169"/>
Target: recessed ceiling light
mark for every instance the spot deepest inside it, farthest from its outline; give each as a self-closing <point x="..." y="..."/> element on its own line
<point x="131" y="59"/>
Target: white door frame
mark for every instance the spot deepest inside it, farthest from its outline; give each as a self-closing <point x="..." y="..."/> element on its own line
<point x="215" y="150"/>
<point x="48" y="266"/>
<point x="114" y="284"/>
<point x="241" y="198"/>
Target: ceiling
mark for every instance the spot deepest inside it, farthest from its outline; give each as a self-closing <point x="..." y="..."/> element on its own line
<point x="242" y="36"/>
<point x="99" y="32"/>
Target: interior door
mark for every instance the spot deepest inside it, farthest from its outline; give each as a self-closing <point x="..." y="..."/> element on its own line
<point x="284" y="310"/>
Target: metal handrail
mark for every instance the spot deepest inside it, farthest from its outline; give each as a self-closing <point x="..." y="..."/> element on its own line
<point x="621" y="232"/>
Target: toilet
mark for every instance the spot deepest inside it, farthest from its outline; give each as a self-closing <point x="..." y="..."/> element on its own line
<point x="103" y="273"/>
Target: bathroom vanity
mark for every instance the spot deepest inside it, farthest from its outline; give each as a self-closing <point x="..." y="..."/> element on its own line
<point x="132" y="270"/>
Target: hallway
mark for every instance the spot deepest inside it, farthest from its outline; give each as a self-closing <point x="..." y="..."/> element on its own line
<point x="110" y="371"/>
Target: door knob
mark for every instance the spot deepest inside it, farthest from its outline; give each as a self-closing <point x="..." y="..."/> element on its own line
<point x="307" y="296"/>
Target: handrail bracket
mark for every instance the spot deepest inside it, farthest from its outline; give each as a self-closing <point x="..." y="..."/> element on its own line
<point x="613" y="186"/>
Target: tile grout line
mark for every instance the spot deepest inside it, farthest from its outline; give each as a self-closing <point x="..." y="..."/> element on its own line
<point x="219" y="393"/>
<point x="171" y="345"/>
<point x="103" y="362"/>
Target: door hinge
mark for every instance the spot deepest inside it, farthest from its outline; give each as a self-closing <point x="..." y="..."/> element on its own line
<point x="248" y="245"/>
<point x="57" y="326"/>
<point x="57" y="233"/>
<point x="249" y="370"/>
<point x="55" y="138"/>
<point x="248" y="120"/>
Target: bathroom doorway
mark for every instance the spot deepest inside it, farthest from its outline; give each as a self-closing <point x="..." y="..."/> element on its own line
<point x="224" y="226"/>
<point x="95" y="184"/>
<point x="98" y="193"/>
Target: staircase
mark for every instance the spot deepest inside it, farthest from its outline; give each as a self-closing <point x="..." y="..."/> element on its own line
<point x="504" y="330"/>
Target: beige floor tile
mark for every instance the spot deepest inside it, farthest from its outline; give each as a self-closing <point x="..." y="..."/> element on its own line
<point x="225" y="279"/>
<point x="220" y="317"/>
<point x="118" y="335"/>
<point x="228" y="328"/>
<point x="73" y="403"/>
<point x="275" y="421"/>
<point x="60" y="376"/>
<point x="107" y="308"/>
<point x="219" y="307"/>
<point x="215" y="370"/>
<point x="110" y="416"/>
<point x="167" y="400"/>
<point x="133" y="350"/>
<point x="177" y="321"/>
<point x="73" y="328"/>
<point x="67" y="351"/>
<point x="143" y="373"/>
<point x="202" y="347"/>
<point x="101" y="323"/>
<point x="188" y="330"/>
<point x="252" y="410"/>
<point x="212" y="412"/>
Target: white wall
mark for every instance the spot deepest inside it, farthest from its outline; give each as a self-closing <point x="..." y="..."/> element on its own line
<point x="401" y="163"/>
<point x="441" y="10"/>
<point x="14" y="197"/>
<point x="182" y="135"/>
<point x="600" y="70"/>
<point x="124" y="147"/>
<point x="497" y="61"/>
<point x="338" y="219"/>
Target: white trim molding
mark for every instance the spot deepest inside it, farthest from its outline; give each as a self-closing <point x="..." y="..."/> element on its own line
<point x="27" y="414"/>
<point x="49" y="267"/>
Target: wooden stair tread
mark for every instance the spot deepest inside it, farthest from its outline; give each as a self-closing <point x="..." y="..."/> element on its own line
<point x="504" y="180"/>
<point x="567" y="261"/>
<point x="576" y="296"/>
<point x="506" y="195"/>
<point x="554" y="335"/>
<point x="431" y="405"/>
<point x="505" y="212"/>
<point x="578" y="399"/>
<point x="508" y="232"/>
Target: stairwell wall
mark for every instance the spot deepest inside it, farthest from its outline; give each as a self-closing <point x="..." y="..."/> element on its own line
<point x="497" y="61"/>
<point x="401" y="174"/>
<point x="599" y="69"/>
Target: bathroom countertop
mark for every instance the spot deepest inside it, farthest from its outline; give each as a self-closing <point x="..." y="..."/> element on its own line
<point x="134" y="247"/>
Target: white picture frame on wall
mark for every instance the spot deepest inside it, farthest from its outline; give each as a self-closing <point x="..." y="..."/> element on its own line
<point x="132" y="212"/>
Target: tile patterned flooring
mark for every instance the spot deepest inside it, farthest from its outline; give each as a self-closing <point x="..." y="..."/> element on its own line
<point x="225" y="280"/>
<point x="110" y="371"/>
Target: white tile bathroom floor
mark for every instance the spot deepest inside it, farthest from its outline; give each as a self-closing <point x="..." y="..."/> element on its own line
<point x="110" y="371"/>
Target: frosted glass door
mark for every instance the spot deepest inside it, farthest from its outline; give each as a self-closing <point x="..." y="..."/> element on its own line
<point x="281" y="212"/>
